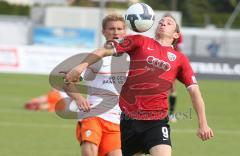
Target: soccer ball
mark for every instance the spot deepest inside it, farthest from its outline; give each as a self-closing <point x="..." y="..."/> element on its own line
<point x="139" y="17"/>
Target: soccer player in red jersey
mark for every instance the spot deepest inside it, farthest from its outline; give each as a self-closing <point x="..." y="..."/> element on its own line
<point x="154" y="65"/>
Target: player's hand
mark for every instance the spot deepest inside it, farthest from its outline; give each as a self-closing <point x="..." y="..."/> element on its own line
<point x="82" y="103"/>
<point x="72" y="76"/>
<point x="205" y="132"/>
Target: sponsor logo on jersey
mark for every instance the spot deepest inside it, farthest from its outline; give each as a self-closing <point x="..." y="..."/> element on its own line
<point x="171" y="56"/>
<point x="88" y="133"/>
<point x="156" y="62"/>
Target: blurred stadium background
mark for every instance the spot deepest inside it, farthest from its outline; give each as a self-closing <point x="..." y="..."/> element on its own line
<point x="36" y="35"/>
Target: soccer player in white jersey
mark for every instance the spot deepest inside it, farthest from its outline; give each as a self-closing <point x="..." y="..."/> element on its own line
<point x="100" y="135"/>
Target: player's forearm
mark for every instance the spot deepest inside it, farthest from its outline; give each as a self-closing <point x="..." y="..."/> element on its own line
<point x="198" y="105"/>
<point x="74" y="74"/>
<point x="93" y="57"/>
<point x="71" y="90"/>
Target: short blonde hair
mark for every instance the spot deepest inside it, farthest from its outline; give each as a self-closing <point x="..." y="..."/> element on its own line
<point x="112" y="17"/>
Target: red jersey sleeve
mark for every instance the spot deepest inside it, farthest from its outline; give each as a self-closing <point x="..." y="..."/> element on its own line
<point x="185" y="73"/>
<point x="127" y="44"/>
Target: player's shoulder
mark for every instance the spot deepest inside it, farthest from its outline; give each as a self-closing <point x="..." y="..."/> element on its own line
<point x="135" y="38"/>
<point x="182" y="56"/>
<point x="138" y="37"/>
<point x="178" y="54"/>
<point x="175" y="51"/>
<point x="145" y="37"/>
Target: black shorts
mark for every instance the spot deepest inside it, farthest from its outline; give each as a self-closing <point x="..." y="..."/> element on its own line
<point x="141" y="135"/>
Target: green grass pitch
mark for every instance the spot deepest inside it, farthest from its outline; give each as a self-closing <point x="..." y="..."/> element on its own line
<point x="25" y="133"/>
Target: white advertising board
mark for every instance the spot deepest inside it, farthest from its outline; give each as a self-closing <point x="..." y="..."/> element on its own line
<point x="34" y="59"/>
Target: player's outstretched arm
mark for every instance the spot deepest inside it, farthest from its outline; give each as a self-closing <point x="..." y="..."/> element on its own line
<point x="74" y="74"/>
<point x="204" y="131"/>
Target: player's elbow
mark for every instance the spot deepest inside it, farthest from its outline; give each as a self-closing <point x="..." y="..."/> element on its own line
<point x="195" y="93"/>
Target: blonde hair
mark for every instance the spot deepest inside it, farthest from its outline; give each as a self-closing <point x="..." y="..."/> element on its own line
<point x="112" y="17"/>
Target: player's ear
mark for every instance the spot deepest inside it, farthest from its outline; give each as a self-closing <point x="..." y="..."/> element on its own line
<point x="176" y="35"/>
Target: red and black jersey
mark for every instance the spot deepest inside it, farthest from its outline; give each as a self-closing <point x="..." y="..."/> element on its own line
<point x="152" y="70"/>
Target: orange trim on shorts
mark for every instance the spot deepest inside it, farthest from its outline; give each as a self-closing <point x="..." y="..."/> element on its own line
<point x="105" y="134"/>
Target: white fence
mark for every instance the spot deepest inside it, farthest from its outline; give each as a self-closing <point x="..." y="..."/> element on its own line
<point x="33" y="59"/>
<point x="196" y="41"/>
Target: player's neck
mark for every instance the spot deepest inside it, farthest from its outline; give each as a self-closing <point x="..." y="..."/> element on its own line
<point x="165" y="42"/>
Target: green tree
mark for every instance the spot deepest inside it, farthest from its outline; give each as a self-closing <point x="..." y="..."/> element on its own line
<point x="8" y="9"/>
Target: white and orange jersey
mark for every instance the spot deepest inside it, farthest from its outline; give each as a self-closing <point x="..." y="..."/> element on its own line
<point x="104" y="84"/>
